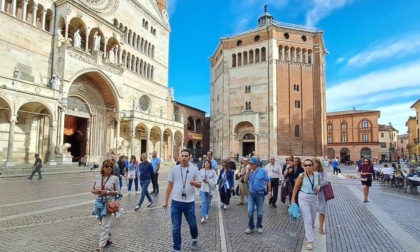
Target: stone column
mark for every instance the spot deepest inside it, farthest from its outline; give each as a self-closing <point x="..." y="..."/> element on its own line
<point x="53" y="141"/>
<point x="66" y="35"/>
<point x="105" y="44"/>
<point x="25" y="6"/>
<point x="87" y="41"/>
<point x="172" y="147"/>
<point x="14" y="5"/>
<point x="161" y="146"/>
<point x="34" y="15"/>
<point x="3" y="5"/>
<point x="120" y="55"/>
<point x="13" y="121"/>
<point x="132" y="133"/>
<point x="117" y="135"/>
<point x="44" y="14"/>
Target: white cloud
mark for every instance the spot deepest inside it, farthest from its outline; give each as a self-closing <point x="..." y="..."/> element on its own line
<point x="397" y="115"/>
<point x="389" y="49"/>
<point x="339" y="60"/>
<point x="171" y="6"/>
<point x="321" y="9"/>
<point x="370" y="89"/>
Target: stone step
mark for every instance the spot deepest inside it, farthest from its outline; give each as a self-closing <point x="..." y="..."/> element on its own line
<point x="26" y="170"/>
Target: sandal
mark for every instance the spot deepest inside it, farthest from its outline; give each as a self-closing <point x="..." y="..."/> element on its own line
<point x="321" y="231"/>
<point x="108" y="242"/>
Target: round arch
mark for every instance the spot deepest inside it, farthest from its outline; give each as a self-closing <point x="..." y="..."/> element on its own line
<point x="167" y="145"/>
<point x="344" y="155"/>
<point x="246" y="144"/>
<point x="178" y="139"/>
<point x="34" y="120"/>
<point x="366" y="152"/>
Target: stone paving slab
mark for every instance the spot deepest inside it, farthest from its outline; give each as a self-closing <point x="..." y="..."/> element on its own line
<point x="55" y="215"/>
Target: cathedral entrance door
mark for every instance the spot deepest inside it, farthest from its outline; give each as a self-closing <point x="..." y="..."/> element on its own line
<point x="248" y="148"/>
<point x="75" y="130"/>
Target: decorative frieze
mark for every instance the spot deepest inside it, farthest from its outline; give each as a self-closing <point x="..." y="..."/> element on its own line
<point x="93" y="61"/>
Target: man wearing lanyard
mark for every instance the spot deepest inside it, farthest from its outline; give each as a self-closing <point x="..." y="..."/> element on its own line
<point x="182" y="181"/>
<point x="256" y="177"/>
<point x="274" y="173"/>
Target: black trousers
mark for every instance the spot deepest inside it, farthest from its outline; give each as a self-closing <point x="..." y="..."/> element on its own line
<point x="155" y="183"/>
<point x="36" y="170"/>
<point x="274" y="189"/>
<point x="225" y="196"/>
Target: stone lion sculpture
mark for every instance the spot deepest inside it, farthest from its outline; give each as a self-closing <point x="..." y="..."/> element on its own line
<point x="64" y="149"/>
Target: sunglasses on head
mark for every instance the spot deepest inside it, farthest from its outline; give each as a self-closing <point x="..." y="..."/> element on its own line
<point x="307" y="165"/>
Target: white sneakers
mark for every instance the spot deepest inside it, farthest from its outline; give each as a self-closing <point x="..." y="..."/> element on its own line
<point x="119" y="213"/>
<point x="203" y="220"/>
<point x="137" y="192"/>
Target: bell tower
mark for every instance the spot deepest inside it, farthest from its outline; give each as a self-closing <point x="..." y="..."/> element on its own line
<point x="161" y="4"/>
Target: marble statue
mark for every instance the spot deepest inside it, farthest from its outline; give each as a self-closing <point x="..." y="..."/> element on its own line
<point x="55" y="81"/>
<point x="64" y="150"/>
<point x="111" y="55"/>
<point x="96" y="42"/>
<point x="77" y="39"/>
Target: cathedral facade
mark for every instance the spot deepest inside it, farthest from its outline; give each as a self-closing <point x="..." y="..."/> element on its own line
<point x="85" y="78"/>
<point x="268" y="92"/>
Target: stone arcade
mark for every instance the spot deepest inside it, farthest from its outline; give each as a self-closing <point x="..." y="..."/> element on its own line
<point x="90" y="74"/>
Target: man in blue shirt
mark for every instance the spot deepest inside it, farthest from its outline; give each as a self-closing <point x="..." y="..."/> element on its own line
<point x="256" y="177"/>
<point x="156" y="167"/>
<point x="213" y="162"/>
<point x="146" y="175"/>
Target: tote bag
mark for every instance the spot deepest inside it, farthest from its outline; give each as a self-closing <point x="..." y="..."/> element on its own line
<point x="328" y="191"/>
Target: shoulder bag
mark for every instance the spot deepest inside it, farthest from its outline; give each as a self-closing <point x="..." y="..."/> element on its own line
<point x="328" y="191"/>
<point x="111" y="206"/>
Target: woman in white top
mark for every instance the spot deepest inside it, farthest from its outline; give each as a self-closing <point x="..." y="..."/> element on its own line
<point x="106" y="186"/>
<point x="209" y="181"/>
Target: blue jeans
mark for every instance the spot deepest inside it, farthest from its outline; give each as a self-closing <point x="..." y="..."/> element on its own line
<point x="136" y="184"/>
<point x="205" y="203"/>
<point x="144" y="191"/>
<point x="258" y="200"/>
<point x="188" y="209"/>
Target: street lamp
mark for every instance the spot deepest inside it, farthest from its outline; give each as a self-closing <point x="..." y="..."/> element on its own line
<point x="391" y="142"/>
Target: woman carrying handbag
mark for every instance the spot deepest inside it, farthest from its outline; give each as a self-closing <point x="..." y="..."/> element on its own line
<point x="106" y="186"/>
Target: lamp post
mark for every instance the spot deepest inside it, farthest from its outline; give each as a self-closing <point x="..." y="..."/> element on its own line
<point x="391" y="142"/>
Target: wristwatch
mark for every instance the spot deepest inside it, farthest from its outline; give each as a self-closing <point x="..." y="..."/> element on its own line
<point x="107" y="192"/>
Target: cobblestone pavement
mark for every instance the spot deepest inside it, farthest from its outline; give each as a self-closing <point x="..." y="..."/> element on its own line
<point x="54" y="214"/>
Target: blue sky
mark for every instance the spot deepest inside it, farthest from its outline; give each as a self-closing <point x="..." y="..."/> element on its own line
<point x="374" y="48"/>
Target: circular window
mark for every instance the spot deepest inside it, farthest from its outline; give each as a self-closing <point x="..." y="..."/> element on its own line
<point x="257" y="38"/>
<point x="286" y="35"/>
<point x="304" y="38"/>
<point x="144" y="103"/>
<point x="239" y="43"/>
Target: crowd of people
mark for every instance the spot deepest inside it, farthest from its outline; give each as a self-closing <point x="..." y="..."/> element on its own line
<point x="300" y="181"/>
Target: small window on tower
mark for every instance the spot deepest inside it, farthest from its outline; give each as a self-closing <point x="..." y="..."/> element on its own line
<point x="257" y="38"/>
<point x="286" y="35"/>
<point x="239" y="43"/>
<point x="304" y="38"/>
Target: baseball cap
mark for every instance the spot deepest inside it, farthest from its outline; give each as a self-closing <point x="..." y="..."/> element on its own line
<point x="254" y="160"/>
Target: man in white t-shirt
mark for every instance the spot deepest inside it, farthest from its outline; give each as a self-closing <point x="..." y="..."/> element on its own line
<point x="182" y="181"/>
<point x="274" y="173"/>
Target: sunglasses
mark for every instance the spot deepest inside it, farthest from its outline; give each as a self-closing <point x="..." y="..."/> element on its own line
<point x="307" y="165"/>
<point x="107" y="166"/>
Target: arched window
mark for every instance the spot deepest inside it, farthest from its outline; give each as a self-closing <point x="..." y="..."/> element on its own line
<point x="344" y="125"/>
<point x="251" y="56"/>
<point x="239" y="59"/>
<point x="297" y="131"/>
<point x="365" y="124"/>
<point x="233" y="60"/>
<point x="257" y="55"/>
<point x="245" y="58"/>
<point x="297" y="104"/>
<point x="281" y="52"/>
<point x="263" y="54"/>
<point x="329" y="126"/>
<point x="190" y="124"/>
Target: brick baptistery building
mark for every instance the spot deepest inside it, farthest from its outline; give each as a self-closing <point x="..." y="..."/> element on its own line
<point x="268" y="92"/>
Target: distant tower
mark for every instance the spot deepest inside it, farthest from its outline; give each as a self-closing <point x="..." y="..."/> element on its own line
<point x="161" y="4"/>
<point x="266" y="19"/>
